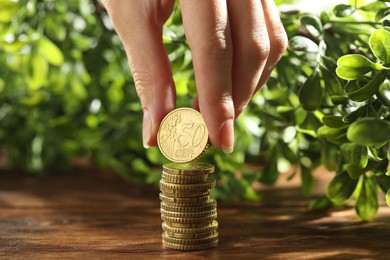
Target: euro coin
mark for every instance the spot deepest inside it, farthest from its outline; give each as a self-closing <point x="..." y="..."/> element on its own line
<point x="196" y="201"/>
<point x="205" y="219"/>
<point x="209" y="205"/>
<point x="188" y="215"/>
<point x="190" y="247"/>
<point x="182" y="136"/>
<point x="191" y="230"/>
<point x="188" y="168"/>
<point x="186" y="188"/>
<point x="190" y="241"/>
<point x="191" y="235"/>
<point x="195" y="194"/>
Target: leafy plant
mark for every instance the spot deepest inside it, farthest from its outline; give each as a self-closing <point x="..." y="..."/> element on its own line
<point x="66" y="92"/>
<point x="353" y="108"/>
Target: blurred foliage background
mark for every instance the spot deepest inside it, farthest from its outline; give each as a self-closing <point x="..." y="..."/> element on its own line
<point x="66" y="92"/>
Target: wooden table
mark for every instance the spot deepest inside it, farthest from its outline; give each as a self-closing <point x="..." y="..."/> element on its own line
<point x="95" y="215"/>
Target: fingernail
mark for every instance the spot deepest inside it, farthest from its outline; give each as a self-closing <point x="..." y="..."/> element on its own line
<point x="227" y="136"/>
<point x="146" y="129"/>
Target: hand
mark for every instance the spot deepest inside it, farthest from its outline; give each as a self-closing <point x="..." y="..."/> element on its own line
<point x="235" y="45"/>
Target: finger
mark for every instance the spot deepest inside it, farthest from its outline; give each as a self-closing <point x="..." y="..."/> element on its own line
<point x="250" y="49"/>
<point x="195" y="103"/>
<point x="277" y="36"/>
<point x="139" y="26"/>
<point x="207" y="29"/>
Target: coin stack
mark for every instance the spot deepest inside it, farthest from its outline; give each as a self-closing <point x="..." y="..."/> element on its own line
<point x="188" y="214"/>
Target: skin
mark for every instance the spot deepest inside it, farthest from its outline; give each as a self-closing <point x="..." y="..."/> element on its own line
<point x="235" y="44"/>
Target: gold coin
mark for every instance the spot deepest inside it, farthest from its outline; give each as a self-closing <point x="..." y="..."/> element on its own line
<point x="197" y="201"/>
<point x="178" y="194"/>
<point x="182" y="136"/>
<point x="189" y="225"/>
<point x="211" y="204"/>
<point x="190" y="230"/>
<point x="188" y="168"/>
<point x="188" y="215"/>
<point x="205" y="219"/>
<point x="190" y="247"/>
<point x="191" y="235"/>
<point x="190" y="241"/>
<point x="191" y="180"/>
<point x="187" y="188"/>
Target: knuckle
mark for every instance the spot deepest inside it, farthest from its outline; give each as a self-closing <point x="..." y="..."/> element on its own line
<point x="141" y="81"/>
<point x="226" y="106"/>
<point x="258" y="50"/>
<point x="279" y="41"/>
<point x="216" y="44"/>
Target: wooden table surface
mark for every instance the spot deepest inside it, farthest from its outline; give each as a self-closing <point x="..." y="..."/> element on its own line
<point x="91" y="215"/>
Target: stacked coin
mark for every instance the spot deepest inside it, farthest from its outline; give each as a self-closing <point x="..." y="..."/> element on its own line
<point x="188" y="214"/>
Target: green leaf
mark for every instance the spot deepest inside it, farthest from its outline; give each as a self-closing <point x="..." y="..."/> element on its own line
<point x="307" y="181"/>
<point x="383" y="181"/>
<point x="359" y="155"/>
<point x="368" y="90"/>
<point x="270" y="172"/>
<point x="310" y="94"/>
<point x="388" y="197"/>
<point x="374" y="153"/>
<point x="367" y="202"/>
<point x="343" y="10"/>
<point x="50" y="52"/>
<point x="353" y="66"/>
<point x="380" y="44"/>
<point x="333" y="121"/>
<point x="38" y="70"/>
<point x="321" y="203"/>
<point x="300" y="43"/>
<point x="330" y="156"/>
<point x="331" y="81"/>
<point x="333" y="135"/>
<point x="313" y="25"/>
<point x="373" y="7"/>
<point x="382" y="13"/>
<point x="341" y="188"/>
<point x="8" y="10"/>
<point x="384" y="93"/>
<point x="353" y="116"/>
<point x="369" y="131"/>
<point x="354" y="171"/>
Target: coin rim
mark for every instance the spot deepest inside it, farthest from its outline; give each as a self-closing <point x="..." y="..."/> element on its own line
<point x="189" y="230"/>
<point x="209" y="168"/>
<point x="209" y="205"/>
<point x="190" y="247"/>
<point x="190" y="241"/>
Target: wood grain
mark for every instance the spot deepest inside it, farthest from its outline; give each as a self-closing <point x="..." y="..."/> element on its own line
<point x="95" y="215"/>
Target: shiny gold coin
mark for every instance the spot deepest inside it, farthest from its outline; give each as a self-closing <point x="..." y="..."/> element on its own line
<point x="191" y="230"/>
<point x="177" y="194"/>
<point x="188" y="215"/>
<point x="197" y="201"/>
<point x="187" y="188"/>
<point x="209" y="205"/>
<point x="189" y="225"/>
<point x="183" y="181"/>
<point x="191" y="235"/>
<point x="205" y="219"/>
<point x="190" y="241"/>
<point x="190" y="247"/>
<point x="182" y="136"/>
<point x="192" y="168"/>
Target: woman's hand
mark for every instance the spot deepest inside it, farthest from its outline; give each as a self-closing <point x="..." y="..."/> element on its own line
<point x="235" y="45"/>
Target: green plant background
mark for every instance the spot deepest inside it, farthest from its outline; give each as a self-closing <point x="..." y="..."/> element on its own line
<point x="66" y="92"/>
